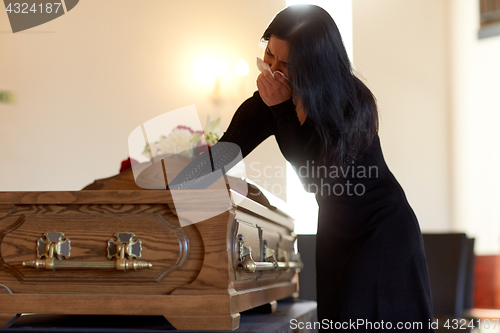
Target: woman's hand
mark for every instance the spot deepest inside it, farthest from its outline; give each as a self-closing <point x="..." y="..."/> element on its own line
<point x="273" y="90"/>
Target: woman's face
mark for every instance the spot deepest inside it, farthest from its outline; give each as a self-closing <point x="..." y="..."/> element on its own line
<point x="276" y="55"/>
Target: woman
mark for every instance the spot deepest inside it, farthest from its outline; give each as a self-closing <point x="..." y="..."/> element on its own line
<point x="369" y="258"/>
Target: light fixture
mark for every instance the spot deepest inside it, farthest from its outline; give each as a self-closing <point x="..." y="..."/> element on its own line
<point x="241" y="68"/>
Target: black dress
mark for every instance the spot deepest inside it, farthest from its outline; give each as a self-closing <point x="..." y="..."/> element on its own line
<point x="370" y="260"/>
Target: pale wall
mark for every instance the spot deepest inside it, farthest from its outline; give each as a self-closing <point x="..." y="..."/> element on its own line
<point x="476" y="134"/>
<point x="85" y="80"/>
<point x="400" y="48"/>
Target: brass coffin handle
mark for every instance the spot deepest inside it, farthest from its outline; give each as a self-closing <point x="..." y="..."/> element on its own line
<point x="120" y="264"/>
<point x="123" y="247"/>
<point x="249" y="265"/>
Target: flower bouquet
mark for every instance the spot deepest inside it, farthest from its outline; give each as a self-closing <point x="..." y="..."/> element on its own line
<point x="185" y="141"/>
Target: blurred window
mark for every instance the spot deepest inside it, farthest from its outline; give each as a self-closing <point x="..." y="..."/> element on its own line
<point x="489" y="18"/>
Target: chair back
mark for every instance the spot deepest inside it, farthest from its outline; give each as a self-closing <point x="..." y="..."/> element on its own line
<point x="449" y="273"/>
<point x="307" y="277"/>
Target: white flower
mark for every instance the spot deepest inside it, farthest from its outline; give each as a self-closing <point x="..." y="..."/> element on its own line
<point x="213" y="125"/>
<point x="183" y="140"/>
<point x="177" y="142"/>
<point x="180" y="139"/>
<point x="212" y="130"/>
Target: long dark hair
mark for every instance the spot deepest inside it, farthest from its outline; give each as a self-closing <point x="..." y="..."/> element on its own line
<point x="340" y="106"/>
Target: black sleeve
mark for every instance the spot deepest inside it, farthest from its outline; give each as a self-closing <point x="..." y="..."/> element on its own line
<point x="292" y="137"/>
<point x="248" y="128"/>
<point x="255" y="121"/>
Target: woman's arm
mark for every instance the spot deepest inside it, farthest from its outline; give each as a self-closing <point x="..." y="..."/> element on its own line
<point x="293" y="130"/>
<point x="251" y="124"/>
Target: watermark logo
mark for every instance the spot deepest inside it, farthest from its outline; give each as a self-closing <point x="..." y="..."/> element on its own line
<point x="173" y="152"/>
<point x="26" y="14"/>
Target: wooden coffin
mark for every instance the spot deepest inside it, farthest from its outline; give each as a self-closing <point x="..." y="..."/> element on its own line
<point x="115" y="249"/>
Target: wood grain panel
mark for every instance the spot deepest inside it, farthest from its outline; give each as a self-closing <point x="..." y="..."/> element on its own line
<point x="216" y="274"/>
<point x="174" y="251"/>
<point x="6" y="317"/>
<point x="4" y="210"/>
<point x="87" y="197"/>
<point x="143" y="305"/>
